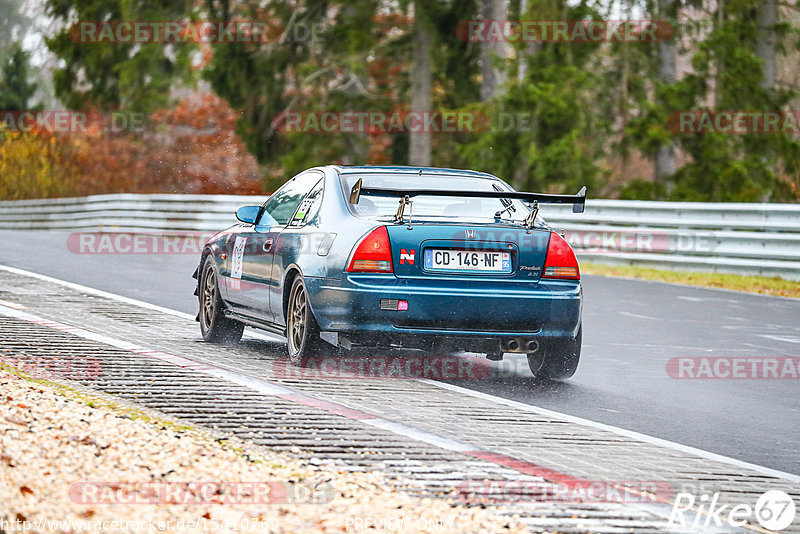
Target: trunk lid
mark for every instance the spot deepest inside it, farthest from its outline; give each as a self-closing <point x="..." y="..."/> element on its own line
<point x="477" y="251"/>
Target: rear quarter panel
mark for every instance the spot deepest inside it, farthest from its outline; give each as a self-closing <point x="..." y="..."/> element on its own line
<point x="300" y="247"/>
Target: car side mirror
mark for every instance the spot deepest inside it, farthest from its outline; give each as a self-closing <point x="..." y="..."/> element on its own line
<point x="248" y="214"/>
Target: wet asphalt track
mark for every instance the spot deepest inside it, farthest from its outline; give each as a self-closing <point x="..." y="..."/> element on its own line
<point x="631" y="329"/>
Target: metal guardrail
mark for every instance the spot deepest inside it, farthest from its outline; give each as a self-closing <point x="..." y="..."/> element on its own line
<point x="762" y="239"/>
<point x="125" y="213"/>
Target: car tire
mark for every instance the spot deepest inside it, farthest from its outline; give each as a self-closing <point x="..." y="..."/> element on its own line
<point x="302" y="330"/>
<point x="215" y="327"/>
<point x="557" y="361"/>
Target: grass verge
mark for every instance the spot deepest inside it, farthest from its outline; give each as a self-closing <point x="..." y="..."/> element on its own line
<point x="751" y="284"/>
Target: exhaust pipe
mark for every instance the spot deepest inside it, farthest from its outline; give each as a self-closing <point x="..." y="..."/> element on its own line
<point x="519" y="345"/>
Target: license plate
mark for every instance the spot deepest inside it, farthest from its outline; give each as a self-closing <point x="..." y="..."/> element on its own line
<point x="437" y="259"/>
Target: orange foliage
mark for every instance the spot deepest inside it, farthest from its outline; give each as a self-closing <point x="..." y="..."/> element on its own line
<point x="202" y="152"/>
<point x="192" y="148"/>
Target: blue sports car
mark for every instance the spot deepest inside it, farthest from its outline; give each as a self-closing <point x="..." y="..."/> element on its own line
<point x="436" y="259"/>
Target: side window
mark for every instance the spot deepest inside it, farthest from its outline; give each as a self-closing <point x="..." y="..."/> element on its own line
<point x="309" y="206"/>
<point x="282" y="205"/>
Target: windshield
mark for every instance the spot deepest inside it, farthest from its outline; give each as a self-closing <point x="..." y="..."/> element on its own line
<point x="430" y="207"/>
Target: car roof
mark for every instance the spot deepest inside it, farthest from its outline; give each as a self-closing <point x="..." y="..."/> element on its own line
<point x="397" y="169"/>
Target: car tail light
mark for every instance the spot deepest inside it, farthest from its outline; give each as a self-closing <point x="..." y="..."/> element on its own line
<point x="561" y="261"/>
<point x="373" y="254"/>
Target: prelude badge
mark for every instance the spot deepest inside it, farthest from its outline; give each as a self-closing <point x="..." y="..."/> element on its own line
<point x="470" y="234"/>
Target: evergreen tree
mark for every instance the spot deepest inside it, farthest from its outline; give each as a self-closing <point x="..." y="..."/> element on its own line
<point x="546" y="131"/>
<point x="731" y="71"/>
<point x="16" y="88"/>
<point x="134" y="76"/>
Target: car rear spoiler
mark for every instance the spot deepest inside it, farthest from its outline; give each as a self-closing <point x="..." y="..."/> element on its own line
<point x="578" y="200"/>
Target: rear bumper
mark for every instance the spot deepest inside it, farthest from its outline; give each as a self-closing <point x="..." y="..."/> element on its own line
<point x="449" y="309"/>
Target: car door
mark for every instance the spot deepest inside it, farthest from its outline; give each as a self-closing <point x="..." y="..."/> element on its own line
<point x="296" y="239"/>
<point x="233" y="285"/>
<point x="264" y="243"/>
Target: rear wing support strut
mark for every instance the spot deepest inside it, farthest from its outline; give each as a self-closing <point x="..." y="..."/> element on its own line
<point x="531" y="218"/>
<point x="404" y="201"/>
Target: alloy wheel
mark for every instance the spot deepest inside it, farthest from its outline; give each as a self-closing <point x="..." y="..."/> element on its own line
<point x="297" y="320"/>
<point x="209" y="297"/>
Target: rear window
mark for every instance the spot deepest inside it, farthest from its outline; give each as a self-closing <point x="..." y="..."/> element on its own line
<point x="433" y="207"/>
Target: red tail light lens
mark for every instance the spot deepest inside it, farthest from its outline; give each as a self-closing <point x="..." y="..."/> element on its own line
<point x="561" y="261"/>
<point x="373" y="254"/>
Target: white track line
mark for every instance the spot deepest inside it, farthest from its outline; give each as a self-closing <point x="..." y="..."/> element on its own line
<point x="120" y="298"/>
<point x="257" y="384"/>
<point x="276" y="390"/>
<point x="619" y="431"/>
<point x="477" y="394"/>
<point x="99" y="293"/>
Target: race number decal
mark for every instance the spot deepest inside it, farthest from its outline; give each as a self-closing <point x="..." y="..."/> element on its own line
<point x="236" y="261"/>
